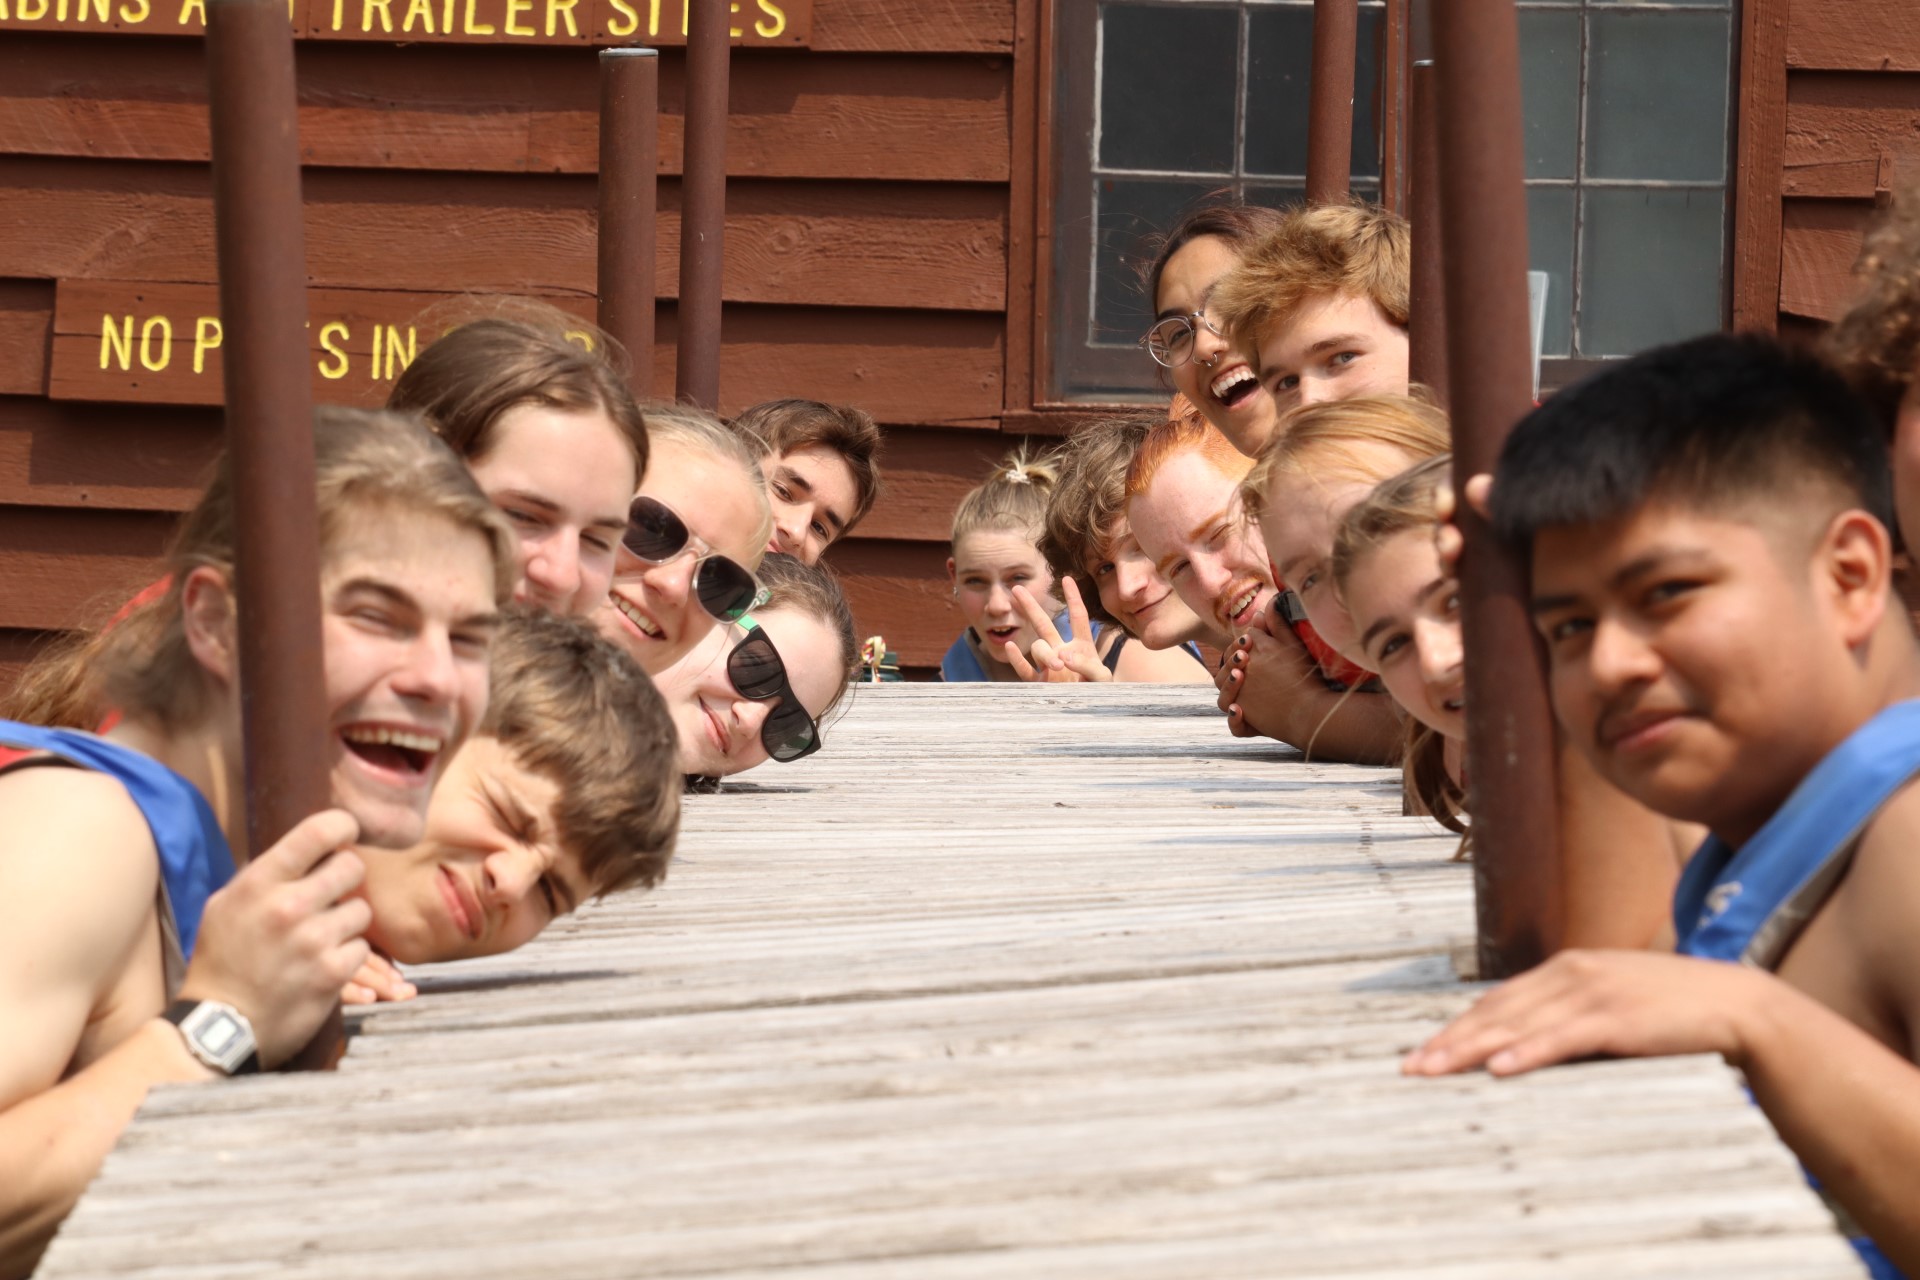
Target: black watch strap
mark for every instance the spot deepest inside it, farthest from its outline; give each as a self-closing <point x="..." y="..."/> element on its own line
<point x="209" y="1035"/>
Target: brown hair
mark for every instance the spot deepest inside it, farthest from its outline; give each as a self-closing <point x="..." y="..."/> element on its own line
<point x="1011" y="500"/>
<point x="1230" y="220"/>
<point x="1321" y="441"/>
<point x="573" y="707"/>
<point x="1877" y="343"/>
<point x="1353" y="250"/>
<point x="791" y="583"/>
<point x="1402" y="504"/>
<point x="698" y="431"/>
<point x="526" y="353"/>
<point x="368" y="462"/>
<point x="1089" y="496"/>
<point x="1185" y="430"/>
<point x="779" y="426"/>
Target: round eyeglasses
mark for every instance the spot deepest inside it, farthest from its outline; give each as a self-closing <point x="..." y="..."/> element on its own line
<point x="1170" y="342"/>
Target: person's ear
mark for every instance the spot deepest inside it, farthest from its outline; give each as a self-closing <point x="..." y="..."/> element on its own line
<point x="1856" y="561"/>
<point x="207" y="616"/>
<point x="953" y="579"/>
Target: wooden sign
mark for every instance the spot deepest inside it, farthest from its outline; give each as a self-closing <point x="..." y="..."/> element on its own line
<point x="161" y="343"/>
<point x="782" y="23"/>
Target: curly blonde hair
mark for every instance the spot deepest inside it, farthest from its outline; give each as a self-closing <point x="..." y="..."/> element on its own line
<point x="1877" y="343"/>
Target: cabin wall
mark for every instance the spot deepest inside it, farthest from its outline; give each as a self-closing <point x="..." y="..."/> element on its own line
<point x="1848" y="129"/>
<point x="866" y="262"/>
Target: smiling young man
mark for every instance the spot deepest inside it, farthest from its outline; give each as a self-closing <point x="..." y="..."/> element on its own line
<point x="1321" y="304"/>
<point x="567" y="791"/>
<point x="1708" y="530"/>
<point x="117" y="884"/>
<point x="1183" y="502"/>
<point x="821" y="475"/>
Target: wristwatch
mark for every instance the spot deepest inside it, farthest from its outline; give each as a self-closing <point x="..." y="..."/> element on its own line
<point x="217" y="1034"/>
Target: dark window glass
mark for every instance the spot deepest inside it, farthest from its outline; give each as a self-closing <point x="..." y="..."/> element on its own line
<point x="1279" y="78"/>
<point x="1132" y="215"/>
<point x="1168" y="82"/>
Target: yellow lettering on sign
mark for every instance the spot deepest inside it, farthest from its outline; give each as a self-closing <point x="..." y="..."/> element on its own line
<point x="514" y="9"/>
<point x="165" y="327"/>
<point x="686" y="7"/>
<point x="338" y="17"/>
<point x="627" y="22"/>
<point x="473" y="27"/>
<point x="768" y="30"/>
<point x="328" y="332"/>
<point x="446" y="17"/>
<point x="423" y="8"/>
<point x="206" y="337"/>
<point x="366" y="14"/>
<point x="33" y="10"/>
<point x="193" y="6"/>
<point x="579" y="338"/>
<point x="394" y="349"/>
<point x="373" y="366"/>
<point x="565" y="9"/>
<point x="117" y="341"/>
<point x="98" y="6"/>
<point x="4" y="15"/>
<point x="733" y="32"/>
<point x="60" y="11"/>
<point x="138" y="11"/>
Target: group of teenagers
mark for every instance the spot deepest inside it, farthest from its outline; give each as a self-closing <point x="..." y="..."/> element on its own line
<point x="1714" y="540"/>
<point x="546" y="606"/>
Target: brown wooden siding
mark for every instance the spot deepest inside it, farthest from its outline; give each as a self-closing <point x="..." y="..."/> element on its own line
<point x="1851" y="134"/>
<point x="867" y="259"/>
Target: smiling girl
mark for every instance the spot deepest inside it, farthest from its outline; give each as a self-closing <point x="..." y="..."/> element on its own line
<point x="695" y="532"/>
<point x="758" y="689"/>
<point x="536" y="403"/>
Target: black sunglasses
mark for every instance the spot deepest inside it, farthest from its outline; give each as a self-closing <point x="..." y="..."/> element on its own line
<point x="756" y="671"/>
<point x="656" y="534"/>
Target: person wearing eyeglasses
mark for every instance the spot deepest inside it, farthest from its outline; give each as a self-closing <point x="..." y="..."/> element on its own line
<point x="695" y="532"/>
<point x="757" y="688"/>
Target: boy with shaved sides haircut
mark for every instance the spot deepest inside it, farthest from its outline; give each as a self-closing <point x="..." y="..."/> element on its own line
<point x="1321" y="303"/>
<point x="1708" y="532"/>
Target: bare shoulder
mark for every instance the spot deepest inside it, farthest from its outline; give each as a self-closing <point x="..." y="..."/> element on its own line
<point x="78" y="879"/>
<point x="1878" y="907"/>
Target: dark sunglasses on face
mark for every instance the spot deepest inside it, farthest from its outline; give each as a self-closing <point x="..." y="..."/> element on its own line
<point x="755" y="670"/>
<point x="657" y="535"/>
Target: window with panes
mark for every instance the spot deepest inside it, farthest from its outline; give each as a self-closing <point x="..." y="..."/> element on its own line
<point x="1163" y="104"/>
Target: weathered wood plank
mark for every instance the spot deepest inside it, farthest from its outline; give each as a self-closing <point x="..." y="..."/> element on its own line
<point x="488" y="109"/>
<point x="62" y="569"/>
<point x="1849" y="135"/>
<point x="1004" y="982"/>
<point x="1819" y="245"/>
<point x="26" y="315"/>
<point x="877" y="245"/>
<point x="1854" y="35"/>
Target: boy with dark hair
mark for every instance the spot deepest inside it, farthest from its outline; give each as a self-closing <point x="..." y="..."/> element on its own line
<point x="1707" y="526"/>
<point x="821" y="475"/>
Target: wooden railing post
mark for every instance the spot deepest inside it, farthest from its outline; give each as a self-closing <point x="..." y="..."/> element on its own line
<point x="629" y="184"/>
<point x="1510" y="739"/>
<point x="703" y="204"/>
<point x="1336" y="27"/>
<point x="1426" y="295"/>
<point x="269" y="425"/>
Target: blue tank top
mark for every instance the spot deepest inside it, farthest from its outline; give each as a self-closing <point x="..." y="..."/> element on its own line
<point x="1747" y="906"/>
<point x="194" y="857"/>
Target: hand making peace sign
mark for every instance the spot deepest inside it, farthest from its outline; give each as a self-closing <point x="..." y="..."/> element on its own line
<point x="1055" y="658"/>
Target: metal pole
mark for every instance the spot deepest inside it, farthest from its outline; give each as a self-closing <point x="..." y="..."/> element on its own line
<point x="1426" y="294"/>
<point x="1510" y="739"/>
<point x="269" y="420"/>
<point x="629" y="177"/>
<point x="1336" y="32"/>
<point x="703" y="204"/>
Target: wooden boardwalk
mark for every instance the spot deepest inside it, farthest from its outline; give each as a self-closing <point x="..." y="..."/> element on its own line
<point x="1005" y="982"/>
